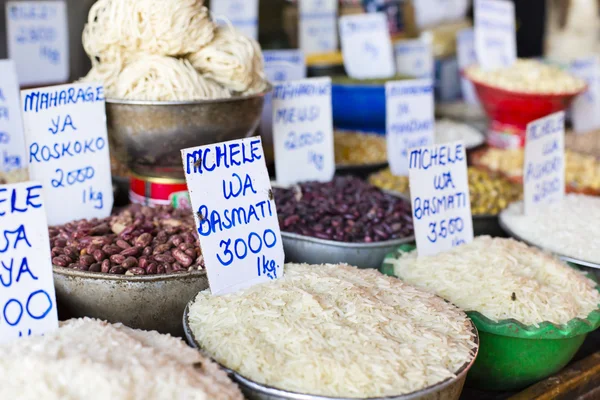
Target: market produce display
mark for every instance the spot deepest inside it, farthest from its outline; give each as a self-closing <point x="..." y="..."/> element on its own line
<point x="168" y="51"/>
<point x="347" y="209"/>
<point x="358" y="148"/>
<point x="14" y="176"/>
<point x="361" y="148"/>
<point x="582" y="172"/>
<point x="567" y="228"/>
<point x="528" y="76"/>
<point x="489" y="194"/>
<point x="334" y="330"/>
<point x="138" y="240"/>
<point x="92" y="359"/>
<point x="503" y="279"/>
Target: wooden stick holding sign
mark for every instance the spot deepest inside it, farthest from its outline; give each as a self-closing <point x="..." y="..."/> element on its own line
<point x="65" y="133"/>
<point x="27" y="298"/>
<point x="439" y="192"/>
<point x="235" y="213"/>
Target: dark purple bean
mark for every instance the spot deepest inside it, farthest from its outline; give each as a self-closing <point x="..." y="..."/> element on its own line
<point x="147" y="251"/>
<point x="129" y="262"/>
<point x="152" y="269"/>
<point x="143" y="262"/>
<point x="131" y="251"/>
<point x="96" y="267"/>
<point x="105" y="266"/>
<point x="59" y="261"/>
<point x="164" y="258"/>
<point x="136" y="271"/>
<point x="87" y="260"/>
<point x="117" y="270"/>
<point x="122" y="244"/>
<point x="110" y="249"/>
<point x="161" y="269"/>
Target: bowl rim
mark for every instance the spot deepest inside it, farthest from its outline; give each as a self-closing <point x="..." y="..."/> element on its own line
<point x="352" y="245"/>
<point x="528" y="95"/>
<point x="70" y="272"/>
<point x="263" y="93"/>
<point x="511" y="327"/>
<point x="270" y="390"/>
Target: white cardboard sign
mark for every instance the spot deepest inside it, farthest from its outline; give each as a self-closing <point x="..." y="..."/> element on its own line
<point x="495" y="33"/>
<point x="318" y="30"/>
<point x="466" y="56"/>
<point x="414" y="58"/>
<point x="544" y="167"/>
<point x="439" y="192"/>
<point x="67" y="145"/>
<point x="27" y="297"/>
<point x="242" y="14"/>
<point x="585" y="111"/>
<point x="409" y="119"/>
<point x="436" y="12"/>
<point x="12" y="141"/>
<point x="280" y="66"/>
<point x="366" y="46"/>
<point x="38" y="41"/>
<point x="235" y="213"/>
<point x="303" y="131"/>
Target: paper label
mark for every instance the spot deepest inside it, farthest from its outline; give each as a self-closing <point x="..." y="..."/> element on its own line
<point x="235" y="213"/>
<point x="242" y="14"/>
<point x="544" y="167"/>
<point x="585" y="111"/>
<point x="303" y="131"/>
<point x="27" y="297"/>
<point x="495" y="33"/>
<point x="466" y="56"/>
<point x="280" y="66"/>
<point x="38" y="41"/>
<point x="435" y="12"/>
<point x="366" y="46"/>
<point x="12" y="141"/>
<point x="67" y="145"/>
<point x="439" y="192"/>
<point x="318" y="31"/>
<point x="409" y="120"/>
<point x="414" y="58"/>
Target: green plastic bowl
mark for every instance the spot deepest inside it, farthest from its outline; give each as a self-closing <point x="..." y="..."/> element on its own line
<point x="512" y="355"/>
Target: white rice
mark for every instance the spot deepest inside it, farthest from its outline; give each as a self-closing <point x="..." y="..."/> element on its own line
<point x="90" y="359"/>
<point x="447" y="131"/>
<point x="570" y="227"/>
<point x="334" y="330"/>
<point x="503" y="279"/>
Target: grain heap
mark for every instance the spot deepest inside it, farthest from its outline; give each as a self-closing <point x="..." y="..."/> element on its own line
<point x="568" y="227"/>
<point x="91" y="359"/>
<point x="357" y="148"/>
<point x="334" y="330"/>
<point x="528" y="76"/>
<point x="447" y="131"/>
<point x="503" y="279"/>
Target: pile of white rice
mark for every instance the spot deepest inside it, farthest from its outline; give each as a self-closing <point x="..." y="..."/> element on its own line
<point x="447" y="131"/>
<point x="503" y="279"/>
<point x="90" y="359"/>
<point x="334" y="330"/>
<point x="570" y="227"/>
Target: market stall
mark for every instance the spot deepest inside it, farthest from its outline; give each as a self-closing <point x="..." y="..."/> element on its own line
<point x="386" y="202"/>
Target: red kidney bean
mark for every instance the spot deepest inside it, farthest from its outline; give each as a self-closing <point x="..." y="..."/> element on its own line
<point x="143" y="262"/>
<point x="182" y="258"/>
<point x="345" y="209"/>
<point x="152" y="269"/>
<point x="117" y="270"/>
<point x="96" y="267"/>
<point x="110" y="249"/>
<point x="135" y="271"/>
<point x="59" y="261"/>
<point x="129" y="262"/>
<point x="161" y="269"/>
<point x="143" y="240"/>
<point x="117" y="258"/>
<point x="122" y="244"/>
<point x="105" y="267"/>
<point x="132" y="251"/>
<point x="87" y="260"/>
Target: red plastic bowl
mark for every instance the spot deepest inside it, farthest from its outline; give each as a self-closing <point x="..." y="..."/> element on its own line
<point x="510" y="111"/>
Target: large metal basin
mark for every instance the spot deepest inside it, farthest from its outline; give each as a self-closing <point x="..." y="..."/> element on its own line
<point x="148" y="136"/>
<point x="149" y="302"/>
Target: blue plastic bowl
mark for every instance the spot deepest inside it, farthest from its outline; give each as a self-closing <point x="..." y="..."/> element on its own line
<point x="358" y="107"/>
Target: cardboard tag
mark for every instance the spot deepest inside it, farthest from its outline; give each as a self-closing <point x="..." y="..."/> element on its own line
<point x="366" y="46"/>
<point x="303" y="131"/>
<point x="27" y="297"/>
<point x="317" y="26"/>
<point x="280" y="66"/>
<point x="38" y="41"/>
<point x="585" y="111"/>
<point x="235" y="213"/>
<point x="439" y="192"/>
<point x="414" y="58"/>
<point x="410" y="120"/>
<point x="495" y="33"/>
<point x="12" y="141"/>
<point x="435" y="12"/>
<point x="242" y="14"/>
<point x="67" y="144"/>
<point x="544" y="167"/>
<point x="466" y="56"/>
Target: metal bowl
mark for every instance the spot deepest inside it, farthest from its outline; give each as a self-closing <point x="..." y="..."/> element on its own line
<point x="148" y="136"/>
<point x="310" y="250"/>
<point x="149" y="302"/>
<point x="450" y="389"/>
